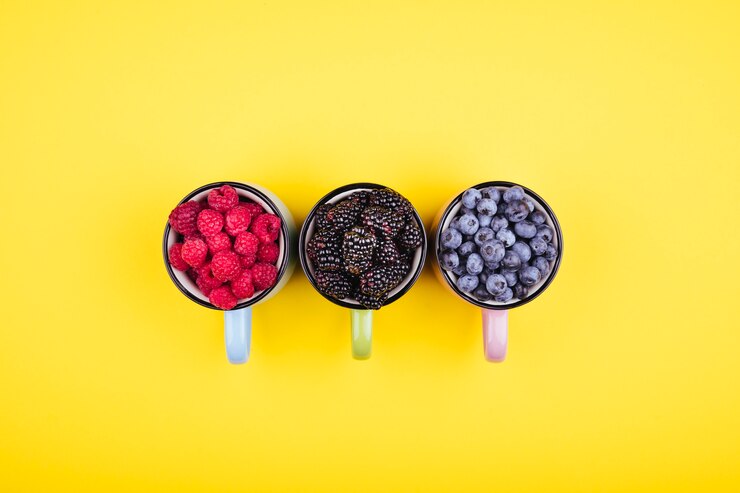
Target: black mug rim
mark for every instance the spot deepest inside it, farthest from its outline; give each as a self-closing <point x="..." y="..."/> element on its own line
<point x="283" y="229"/>
<point x="308" y="221"/>
<point x="471" y="299"/>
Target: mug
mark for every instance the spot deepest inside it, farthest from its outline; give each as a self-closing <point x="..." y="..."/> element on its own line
<point x="360" y="316"/>
<point x="238" y="320"/>
<point x="495" y="314"/>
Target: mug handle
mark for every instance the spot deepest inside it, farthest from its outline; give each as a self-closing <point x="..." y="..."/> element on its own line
<point x="362" y="333"/>
<point x="495" y="334"/>
<point x="238" y="334"/>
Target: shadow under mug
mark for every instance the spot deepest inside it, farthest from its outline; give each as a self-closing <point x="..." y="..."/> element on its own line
<point x="361" y="318"/>
<point x="495" y="314"/>
<point x="238" y="320"/>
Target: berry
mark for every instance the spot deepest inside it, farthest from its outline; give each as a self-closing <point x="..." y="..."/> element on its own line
<point x="321" y="240"/>
<point x="486" y="207"/>
<point x="449" y="260"/>
<point x="466" y="249"/>
<point x="242" y="286"/>
<point x="492" y="251"/>
<point x="386" y="253"/>
<point x="492" y="266"/>
<point x="175" y="256"/>
<point x="387" y="222"/>
<point x="545" y="232"/>
<point x="237" y="220"/>
<point x="327" y="253"/>
<point x="320" y="220"/>
<point x="379" y="280"/>
<point x="481" y="293"/>
<point x="542" y="265"/>
<point x="264" y="276"/>
<point x="368" y="301"/>
<point x="194" y="252"/>
<point x="246" y="243"/>
<point x="538" y="245"/>
<point x="538" y="217"/>
<point x="496" y="284"/>
<point x="205" y="281"/>
<point x="525" y="229"/>
<point x="450" y="238"/>
<point x="225" y="265"/>
<point x="254" y="208"/>
<point x="343" y="215"/>
<point x="223" y="298"/>
<point x="460" y="270"/>
<point x="268" y="253"/>
<point x="491" y="193"/>
<point x="468" y="224"/>
<point x="334" y="284"/>
<point x="511" y="277"/>
<point x="514" y="193"/>
<point x="219" y="241"/>
<point x="530" y="203"/>
<point x="266" y="227"/>
<point x="391" y="200"/>
<point x="470" y="198"/>
<point x="506" y="236"/>
<point x="410" y="237"/>
<point x="516" y="211"/>
<point x="484" y="221"/>
<point x="247" y="261"/>
<point x="467" y="283"/>
<point x="498" y="223"/>
<point x="551" y="253"/>
<point x="529" y="275"/>
<point x="511" y="261"/>
<point x="522" y="250"/>
<point x="357" y="250"/>
<point x="210" y="222"/>
<point x="483" y="235"/>
<point x="520" y="291"/>
<point x="222" y="199"/>
<point x="474" y="264"/>
<point x="183" y="218"/>
<point x="505" y="296"/>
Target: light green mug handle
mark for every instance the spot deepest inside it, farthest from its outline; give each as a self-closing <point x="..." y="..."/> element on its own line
<point x="362" y="333"/>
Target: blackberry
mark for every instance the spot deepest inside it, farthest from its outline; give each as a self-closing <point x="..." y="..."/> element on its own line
<point x="410" y="238"/>
<point x="357" y="250"/>
<point x="390" y="199"/>
<point x="326" y="248"/>
<point x="344" y="215"/>
<point x="379" y="280"/>
<point x="320" y="217"/>
<point x="400" y="270"/>
<point x="387" y="222"/>
<point x="387" y="253"/>
<point x="334" y="284"/>
<point x="320" y="241"/>
<point x="370" y="302"/>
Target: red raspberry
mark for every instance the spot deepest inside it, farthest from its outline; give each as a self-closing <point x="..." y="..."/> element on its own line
<point x="192" y="274"/>
<point x="222" y="199"/>
<point x="175" y="256"/>
<point x="205" y="281"/>
<point x="225" y="265"/>
<point x="246" y="243"/>
<point x="219" y="241"/>
<point x="183" y="218"/>
<point x="194" y="252"/>
<point x="254" y="208"/>
<point x="210" y="222"/>
<point x="263" y="276"/>
<point x="237" y="220"/>
<point x="268" y="253"/>
<point x="242" y="286"/>
<point x="223" y="298"/>
<point x="247" y="261"/>
<point x="266" y="227"/>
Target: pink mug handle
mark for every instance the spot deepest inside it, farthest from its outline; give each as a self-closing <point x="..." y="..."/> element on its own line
<point x="495" y="334"/>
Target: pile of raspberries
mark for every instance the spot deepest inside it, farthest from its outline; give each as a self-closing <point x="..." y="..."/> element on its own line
<point x="228" y="246"/>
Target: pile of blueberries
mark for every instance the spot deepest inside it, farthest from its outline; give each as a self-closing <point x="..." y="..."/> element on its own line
<point x="498" y="245"/>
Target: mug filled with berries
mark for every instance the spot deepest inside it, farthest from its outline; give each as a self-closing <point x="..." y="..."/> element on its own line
<point x="497" y="245"/>
<point x="362" y="247"/>
<point x="228" y="246"/>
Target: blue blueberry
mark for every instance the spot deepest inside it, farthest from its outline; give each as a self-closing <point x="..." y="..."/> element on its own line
<point x="530" y="203"/>
<point x="506" y="236"/>
<point x="481" y="293"/>
<point x="545" y="232"/>
<point x="551" y="253"/>
<point x="538" y="217"/>
<point x="538" y="245"/>
<point x="465" y="210"/>
<point x="511" y="277"/>
<point x="492" y="251"/>
<point x="493" y="267"/>
<point x="484" y="275"/>
<point x="460" y="270"/>
<point x="450" y="238"/>
<point x="525" y="229"/>
<point x="511" y="261"/>
<point x="492" y="193"/>
<point x="449" y="260"/>
<point x="496" y="284"/>
<point x="466" y="249"/>
<point x="484" y="221"/>
<point x="514" y="193"/>
<point x="516" y="211"/>
<point x="470" y="198"/>
<point x="520" y="291"/>
<point x="542" y="265"/>
<point x="529" y="275"/>
<point x="455" y="223"/>
<point x="523" y="250"/>
<point x="486" y="207"/>
<point x="498" y="223"/>
<point x="467" y="283"/>
<point x="468" y="224"/>
<point x="483" y="235"/>
<point x="505" y="296"/>
<point x="474" y="264"/>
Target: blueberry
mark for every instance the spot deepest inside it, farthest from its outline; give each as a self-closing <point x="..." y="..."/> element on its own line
<point x="505" y="296"/>
<point x="465" y="210"/>
<point x="514" y="193"/>
<point x="450" y="238"/>
<point x="466" y="249"/>
<point x="506" y="236"/>
<point x="529" y="275"/>
<point x="520" y="291"/>
<point x="484" y="275"/>
<point x="523" y="250"/>
<point x="487" y="207"/>
<point x="492" y="251"/>
<point x="482" y="294"/>
<point x="542" y="265"/>
<point x="551" y="253"/>
<point x="511" y="261"/>
<point x="511" y="277"/>
<point x="498" y="223"/>
<point x="525" y="229"/>
<point x="538" y="217"/>
<point x="493" y="267"/>
<point x="470" y="198"/>
<point x="491" y="193"/>
<point x="545" y="232"/>
<point x="468" y="224"/>
<point x="474" y="264"/>
<point x="459" y="270"/>
<point x="516" y="211"/>
<point x="538" y="245"/>
<point x="467" y="283"/>
<point x="483" y="235"/>
<point x="496" y="284"/>
<point x="449" y="260"/>
<point x="484" y="221"/>
<point x="530" y="203"/>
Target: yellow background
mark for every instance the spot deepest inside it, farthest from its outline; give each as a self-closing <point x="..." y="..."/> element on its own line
<point x="623" y="376"/>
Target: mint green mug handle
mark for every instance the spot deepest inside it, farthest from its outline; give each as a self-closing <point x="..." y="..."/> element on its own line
<point x="362" y="333"/>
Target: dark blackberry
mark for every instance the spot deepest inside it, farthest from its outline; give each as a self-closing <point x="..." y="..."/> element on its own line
<point x="343" y="215"/>
<point x="320" y="241"/>
<point x="390" y="199"/>
<point x="401" y="269"/>
<point x="387" y="252"/>
<point x="361" y="198"/>
<point x="357" y="250"/>
<point x="320" y="220"/>
<point x="334" y="284"/>
<point x="387" y="222"/>
<point x="379" y="280"/>
<point x="326" y="248"/>
<point x="410" y="238"/>
<point x="369" y="302"/>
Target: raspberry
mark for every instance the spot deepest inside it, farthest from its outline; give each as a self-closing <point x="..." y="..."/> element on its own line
<point x="263" y="276"/>
<point x="246" y="243"/>
<point x="253" y="208"/>
<point x="222" y="199"/>
<point x="268" y="253"/>
<point x="183" y="218"/>
<point x="242" y="286"/>
<point x="205" y="280"/>
<point x="219" y="241"/>
<point x="225" y="265"/>
<point x="247" y="261"/>
<point x="266" y="227"/>
<point x="237" y="220"/>
<point x="223" y="298"/>
<point x="175" y="256"/>
<point x="194" y="252"/>
<point x="210" y="222"/>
